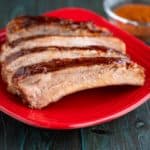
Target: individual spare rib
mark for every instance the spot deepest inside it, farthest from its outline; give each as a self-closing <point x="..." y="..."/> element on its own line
<point x="41" y="54"/>
<point x="62" y="41"/>
<point x="47" y="82"/>
<point x="27" y="26"/>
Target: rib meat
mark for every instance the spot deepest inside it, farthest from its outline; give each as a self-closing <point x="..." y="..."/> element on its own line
<point x="27" y="26"/>
<point x="37" y="55"/>
<point x="63" y="41"/>
<point x="39" y="86"/>
<point x="45" y="59"/>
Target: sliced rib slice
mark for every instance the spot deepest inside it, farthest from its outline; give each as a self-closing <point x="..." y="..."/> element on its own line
<point x="47" y="83"/>
<point x="37" y="55"/>
<point x="27" y="56"/>
<point x="60" y="41"/>
<point x="27" y="26"/>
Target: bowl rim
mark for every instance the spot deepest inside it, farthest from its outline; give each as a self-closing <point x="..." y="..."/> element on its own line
<point x="113" y="15"/>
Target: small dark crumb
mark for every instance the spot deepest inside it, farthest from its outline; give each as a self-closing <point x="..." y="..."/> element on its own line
<point x="101" y="131"/>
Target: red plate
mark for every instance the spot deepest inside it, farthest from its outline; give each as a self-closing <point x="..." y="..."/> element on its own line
<point x="89" y="107"/>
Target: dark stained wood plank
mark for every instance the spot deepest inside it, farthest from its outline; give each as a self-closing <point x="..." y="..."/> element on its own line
<point x="49" y="5"/>
<point x="10" y="9"/>
<point x="17" y="136"/>
<point x="131" y="132"/>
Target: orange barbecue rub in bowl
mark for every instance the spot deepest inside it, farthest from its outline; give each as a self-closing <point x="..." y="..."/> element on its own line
<point x="134" y="12"/>
<point x="138" y="16"/>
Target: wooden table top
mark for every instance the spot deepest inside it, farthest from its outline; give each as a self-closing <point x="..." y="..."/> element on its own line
<point x="131" y="132"/>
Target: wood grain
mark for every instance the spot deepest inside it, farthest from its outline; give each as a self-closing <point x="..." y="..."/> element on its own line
<point x="17" y="136"/>
<point x="10" y="9"/>
<point x="131" y="132"/>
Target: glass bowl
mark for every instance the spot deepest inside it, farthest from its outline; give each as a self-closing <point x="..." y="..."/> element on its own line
<point x="140" y="30"/>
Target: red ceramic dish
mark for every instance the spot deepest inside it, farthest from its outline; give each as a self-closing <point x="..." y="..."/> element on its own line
<point x="89" y="107"/>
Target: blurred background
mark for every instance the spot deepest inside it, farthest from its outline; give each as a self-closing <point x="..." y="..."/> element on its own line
<point x="12" y="8"/>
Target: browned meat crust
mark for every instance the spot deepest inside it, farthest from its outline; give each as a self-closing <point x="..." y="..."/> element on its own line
<point x="27" y="26"/>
